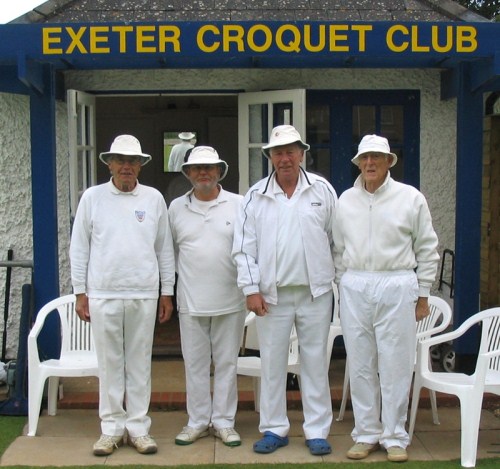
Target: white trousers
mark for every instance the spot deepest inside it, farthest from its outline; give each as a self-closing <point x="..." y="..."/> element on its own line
<point x="123" y="335"/>
<point x="203" y="340"/>
<point x="312" y="317"/>
<point x="377" y="313"/>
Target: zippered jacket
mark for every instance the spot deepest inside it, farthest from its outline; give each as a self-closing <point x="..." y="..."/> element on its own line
<point x="256" y="231"/>
<point x="388" y="230"/>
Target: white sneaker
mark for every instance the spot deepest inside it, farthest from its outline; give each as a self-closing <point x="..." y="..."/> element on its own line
<point x="106" y="444"/>
<point x="189" y="435"/>
<point x="143" y="444"/>
<point x="229" y="436"/>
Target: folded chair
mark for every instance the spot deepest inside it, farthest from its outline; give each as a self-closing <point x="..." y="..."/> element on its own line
<point x="77" y="357"/>
<point x="468" y="388"/>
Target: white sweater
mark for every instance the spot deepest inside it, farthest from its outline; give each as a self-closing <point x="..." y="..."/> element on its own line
<point x="207" y="274"/>
<point x="385" y="231"/>
<point x="121" y="244"/>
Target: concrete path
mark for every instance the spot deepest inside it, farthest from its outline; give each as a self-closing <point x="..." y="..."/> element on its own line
<point x="67" y="439"/>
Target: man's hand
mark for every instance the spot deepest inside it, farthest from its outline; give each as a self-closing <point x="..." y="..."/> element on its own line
<point x="82" y="307"/>
<point x="165" y="309"/>
<point x="257" y="304"/>
<point x="422" y="308"/>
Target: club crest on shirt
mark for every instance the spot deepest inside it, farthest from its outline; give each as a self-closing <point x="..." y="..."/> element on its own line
<point x="140" y="215"/>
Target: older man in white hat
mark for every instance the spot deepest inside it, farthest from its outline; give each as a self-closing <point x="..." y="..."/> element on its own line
<point x="211" y="306"/>
<point x="121" y="257"/>
<point x="386" y="260"/>
<point x="283" y="249"/>
<point x="179" y="150"/>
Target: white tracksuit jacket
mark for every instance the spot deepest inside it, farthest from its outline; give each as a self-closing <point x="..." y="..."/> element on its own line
<point x="256" y="231"/>
<point x="385" y="231"/>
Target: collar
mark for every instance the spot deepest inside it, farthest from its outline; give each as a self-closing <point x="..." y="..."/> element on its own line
<point x="114" y="190"/>
<point x="360" y="184"/>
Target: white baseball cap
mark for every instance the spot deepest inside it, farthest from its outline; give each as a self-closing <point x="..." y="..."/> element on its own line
<point x="205" y="155"/>
<point x="125" y="145"/>
<point x="376" y="144"/>
<point x="284" y="135"/>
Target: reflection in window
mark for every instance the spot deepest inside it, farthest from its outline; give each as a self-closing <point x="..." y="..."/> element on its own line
<point x="175" y="146"/>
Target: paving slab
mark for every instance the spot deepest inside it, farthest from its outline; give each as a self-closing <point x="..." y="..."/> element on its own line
<point x="67" y="439"/>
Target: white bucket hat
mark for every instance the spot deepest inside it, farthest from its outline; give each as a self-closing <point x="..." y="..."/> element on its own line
<point x="186" y="135"/>
<point x="376" y="144"/>
<point x="125" y="145"/>
<point x="284" y="135"/>
<point x="205" y="155"/>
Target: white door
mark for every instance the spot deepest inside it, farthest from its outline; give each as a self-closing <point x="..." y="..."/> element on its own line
<point x="258" y="113"/>
<point x="82" y="144"/>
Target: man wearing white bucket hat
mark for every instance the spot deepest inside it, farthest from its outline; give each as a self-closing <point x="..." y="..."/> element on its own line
<point x="386" y="261"/>
<point x="121" y="256"/>
<point x="283" y="249"/>
<point x="178" y="151"/>
<point x="211" y="306"/>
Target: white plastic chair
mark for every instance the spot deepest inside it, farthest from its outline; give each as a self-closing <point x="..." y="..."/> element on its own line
<point x="468" y="388"/>
<point x="77" y="357"/>
<point x="251" y="366"/>
<point x="438" y="320"/>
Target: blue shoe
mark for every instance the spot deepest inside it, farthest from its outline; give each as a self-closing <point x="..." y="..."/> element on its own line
<point x="270" y="443"/>
<point x="318" y="446"/>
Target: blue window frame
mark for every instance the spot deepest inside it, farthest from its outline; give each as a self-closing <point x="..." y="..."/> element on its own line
<point x="336" y="121"/>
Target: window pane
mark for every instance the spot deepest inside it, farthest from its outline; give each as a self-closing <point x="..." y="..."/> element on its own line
<point x="363" y="122"/>
<point x="318" y="124"/>
<point x="257" y="114"/>
<point x="318" y="161"/>
<point x="255" y="170"/>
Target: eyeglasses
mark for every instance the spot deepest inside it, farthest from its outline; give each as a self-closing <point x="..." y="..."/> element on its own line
<point x="202" y="167"/>
<point x="372" y="156"/>
<point x="122" y="159"/>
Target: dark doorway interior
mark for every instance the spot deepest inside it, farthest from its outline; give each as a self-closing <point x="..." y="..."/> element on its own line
<point x="214" y="119"/>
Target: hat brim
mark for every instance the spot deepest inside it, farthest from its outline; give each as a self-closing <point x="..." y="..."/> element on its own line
<point x="266" y="149"/>
<point x="105" y="156"/>
<point x="222" y="164"/>
<point x="355" y="160"/>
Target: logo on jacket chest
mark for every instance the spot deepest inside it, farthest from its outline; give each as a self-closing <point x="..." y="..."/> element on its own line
<point x="140" y="215"/>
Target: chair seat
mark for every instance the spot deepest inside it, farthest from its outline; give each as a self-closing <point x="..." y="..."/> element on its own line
<point x="249" y="366"/>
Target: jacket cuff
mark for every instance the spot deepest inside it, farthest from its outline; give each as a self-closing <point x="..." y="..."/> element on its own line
<point x="424" y="291"/>
<point x="250" y="290"/>
<point x="79" y="289"/>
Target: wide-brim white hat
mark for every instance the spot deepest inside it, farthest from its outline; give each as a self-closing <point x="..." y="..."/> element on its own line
<point x="375" y="144"/>
<point x="284" y="135"/>
<point x="125" y="145"/>
<point x="186" y="135"/>
<point x="205" y="155"/>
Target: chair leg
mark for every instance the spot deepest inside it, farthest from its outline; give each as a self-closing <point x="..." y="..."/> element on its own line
<point x="415" y="398"/>
<point x="432" y="398"/>
<point x="345" y="391"/>
<point x="256" y="393"/>
<point x="470" y="413"/>
<point x="52" y="395"/>
<point x="35" y="394"/>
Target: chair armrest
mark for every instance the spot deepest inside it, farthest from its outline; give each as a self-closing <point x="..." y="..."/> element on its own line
<point x="250" y="318"/>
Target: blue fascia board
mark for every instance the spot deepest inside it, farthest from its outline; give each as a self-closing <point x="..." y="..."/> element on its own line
<point x="247" y="44"/>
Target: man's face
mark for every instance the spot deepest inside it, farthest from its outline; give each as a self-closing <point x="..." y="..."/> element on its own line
<point x="125" y="170"/>
<point x="204" y="177"/>
<point x="374" y="167"/>
<point x="286" y="161"/>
